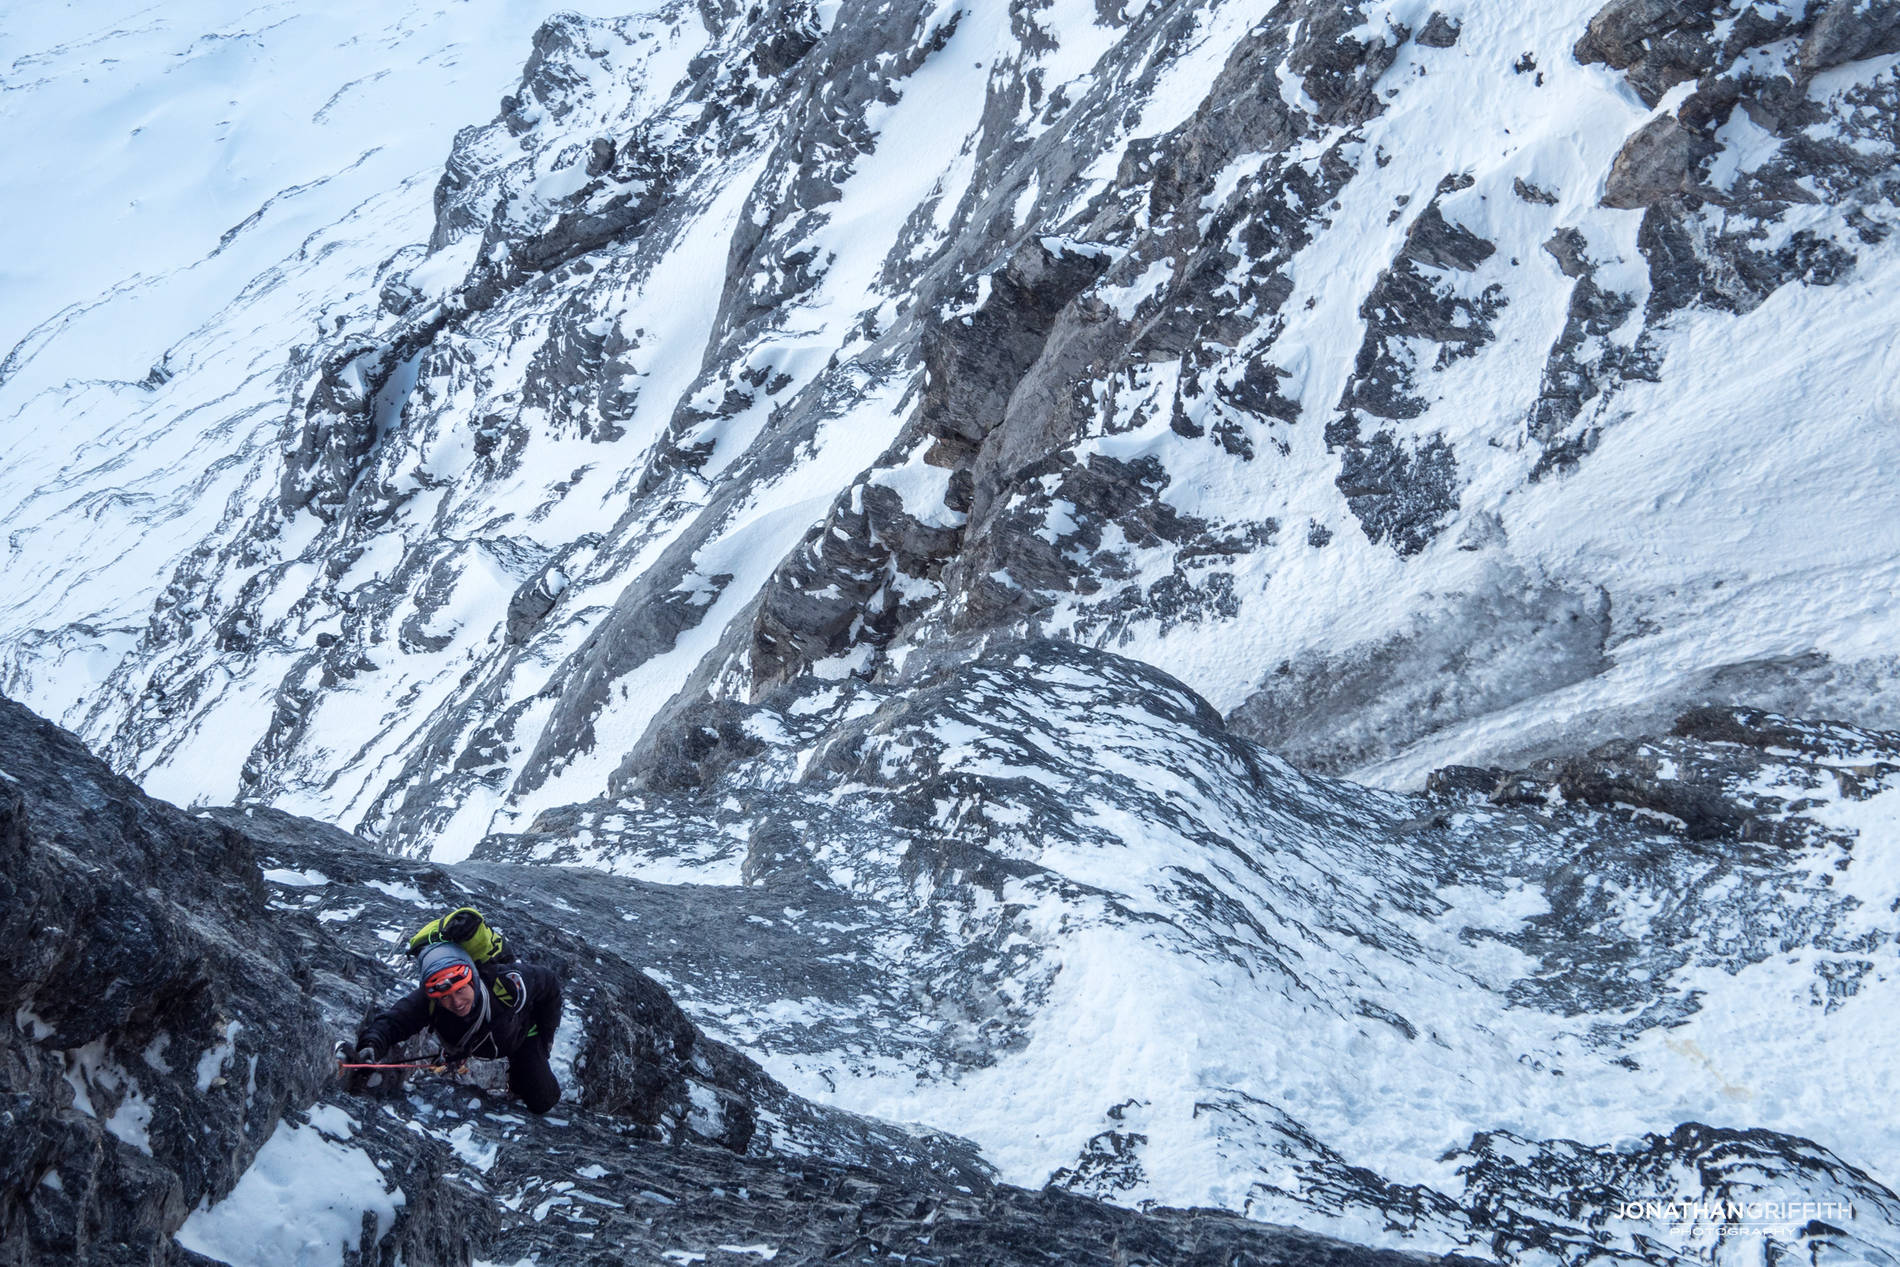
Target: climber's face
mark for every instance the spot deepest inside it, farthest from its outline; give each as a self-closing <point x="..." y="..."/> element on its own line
<point x="461" y="999"/>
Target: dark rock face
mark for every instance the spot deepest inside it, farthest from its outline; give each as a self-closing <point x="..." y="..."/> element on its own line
<point x="1402" y="491"/>
<point x="1584" y="358"/>
<point x="1705" y="779"/>
<point x="867" y="568"/>
<point x="167" y="1016"/>
<point x="1439" y="31"/>
<point x="1338" y="68"/>
<point x="112" y="982"/>
<point x="1657" y="43"/>
<point x="1655" y="164"/>
<point x="1399" y="495"/>
<point x="107" y="1151"/>
<point x="1849" y="32"/>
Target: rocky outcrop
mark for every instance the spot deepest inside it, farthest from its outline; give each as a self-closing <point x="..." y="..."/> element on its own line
<point x="969" y="859"/>
<point x="1708" y="227"/>
<point x="1656" y="43"/>
<point x="174" y="982"/>
<point x="876" y="562"/>
<point x="1721" y="774"/>
<point x="149" y="1051"/>
<point x="1403" y="491"/>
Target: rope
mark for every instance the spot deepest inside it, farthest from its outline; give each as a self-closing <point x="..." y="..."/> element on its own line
<point x="431" y="1066"/>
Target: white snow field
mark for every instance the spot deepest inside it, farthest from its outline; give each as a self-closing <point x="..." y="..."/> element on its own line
<point x="302" y="1201"/>
<point x="198" y="181"/>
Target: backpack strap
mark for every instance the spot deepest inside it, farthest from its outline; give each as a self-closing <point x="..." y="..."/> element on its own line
<point x="510" y="989"/>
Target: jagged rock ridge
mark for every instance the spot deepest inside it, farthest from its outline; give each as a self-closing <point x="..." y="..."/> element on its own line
<point x="191" y="1096"/>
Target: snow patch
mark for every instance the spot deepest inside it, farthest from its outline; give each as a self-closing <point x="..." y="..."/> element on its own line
<point x="402" y="892"/>
<point x="302" y="1201"/>
<point x="295" y="879"/>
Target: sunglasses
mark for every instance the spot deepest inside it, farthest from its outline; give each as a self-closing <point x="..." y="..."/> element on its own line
<point x="447" y="981"/>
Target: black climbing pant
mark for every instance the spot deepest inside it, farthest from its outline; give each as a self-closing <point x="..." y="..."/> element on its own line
<point x="530" y="1078"/>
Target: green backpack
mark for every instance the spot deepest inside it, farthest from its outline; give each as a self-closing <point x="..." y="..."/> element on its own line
<point x="465" y="927"/>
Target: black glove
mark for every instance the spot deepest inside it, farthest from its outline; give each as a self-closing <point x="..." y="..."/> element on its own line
<point x="363" y="1053"/>
<point x="356" y="1081"/>
<point x="461" y="926"/>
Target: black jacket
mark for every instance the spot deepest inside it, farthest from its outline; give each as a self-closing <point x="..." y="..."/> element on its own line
<point x="523" y="1006"/>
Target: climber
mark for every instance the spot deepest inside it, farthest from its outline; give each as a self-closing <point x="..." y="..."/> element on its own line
<point x="476" y="1011"/>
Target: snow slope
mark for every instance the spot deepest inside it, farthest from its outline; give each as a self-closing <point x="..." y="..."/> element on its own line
<point x="1452" y="438"/>
<point x="166" y="155"/>
<point x="189" y="187"/>
<point x="1047" y="901"/>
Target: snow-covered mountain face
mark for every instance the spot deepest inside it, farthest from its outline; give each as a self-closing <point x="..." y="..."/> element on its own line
<point x="938" y="497"/>
<point x="1050" y="899"/>
<point x="1418" y="385"/>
